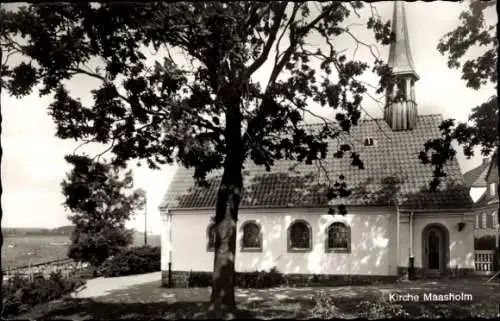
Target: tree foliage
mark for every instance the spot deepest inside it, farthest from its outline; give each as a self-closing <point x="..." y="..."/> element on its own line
<point x="210" y="112"/>
<point x="481" y="130"/>
<point x="101" y="202"/>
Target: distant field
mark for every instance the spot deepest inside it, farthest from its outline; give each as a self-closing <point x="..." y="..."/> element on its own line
<point x="23" y="250"/>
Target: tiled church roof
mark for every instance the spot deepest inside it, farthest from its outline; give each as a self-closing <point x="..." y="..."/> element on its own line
<point x="290" y="184"/>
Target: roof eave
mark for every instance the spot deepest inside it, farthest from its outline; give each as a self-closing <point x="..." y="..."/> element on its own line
<point x="407" y="72"/>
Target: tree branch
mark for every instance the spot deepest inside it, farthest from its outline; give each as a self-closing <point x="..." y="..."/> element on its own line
<point x="292" y="18"/>
<point x="85" y="142"/>
<point x="308" y="27"/>
<point x="270" y="40"/>
<point x="377" y="55"/>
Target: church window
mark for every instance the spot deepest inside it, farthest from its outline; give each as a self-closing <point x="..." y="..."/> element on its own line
<point x="493" y="189"/>
<point x="338" y="238"/>
<point x="299" y="236"/>
<point x="252" y="237"/>
<point x="401" y="89"/>
<point x="211" y="235"/>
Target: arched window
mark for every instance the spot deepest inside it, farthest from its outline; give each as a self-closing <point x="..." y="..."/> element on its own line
<point x="338" y="238"/>
<point x="401" y="85"/>
<point x="252" y="237"/>
<point x="299" y="236"/>
<point x="211" y="235"/>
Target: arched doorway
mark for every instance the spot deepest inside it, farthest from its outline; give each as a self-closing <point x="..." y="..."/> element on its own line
<point x="435" y="248"/>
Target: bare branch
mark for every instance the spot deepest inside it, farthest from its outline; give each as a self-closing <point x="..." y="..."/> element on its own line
<point x="88" y="73"/>
<point x="305" y="110"/>
<point x="85" y="142"/>
<point x="355" y="51"/>
<point x="355" y="25"/>
<point x="109" y="148"/>
<point x="374" y="11"/>
<point x="270" y="40"/>
<point x="292" y="19"/>
<point x="354" y="10"/>
<point x="378" y="125"/>
<point x="376" y="55"/>
<point x="7" y="56"/>
<point x="325" y="171"/>
<point x="295" y="33"/>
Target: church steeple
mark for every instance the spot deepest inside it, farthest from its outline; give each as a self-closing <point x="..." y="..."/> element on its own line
<point x="401" y="109"/>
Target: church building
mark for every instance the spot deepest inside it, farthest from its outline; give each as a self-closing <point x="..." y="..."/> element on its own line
<point x="393" y="221"/>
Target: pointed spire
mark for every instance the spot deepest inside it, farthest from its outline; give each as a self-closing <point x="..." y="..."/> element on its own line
<point x="401" y="107"/>
<point x="400" y="58"/>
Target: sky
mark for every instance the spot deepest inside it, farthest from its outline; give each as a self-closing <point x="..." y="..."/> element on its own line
<point x="33" y="163"/>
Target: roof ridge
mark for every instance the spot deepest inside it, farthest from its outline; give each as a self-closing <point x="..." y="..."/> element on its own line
<point x="364" y="120"/>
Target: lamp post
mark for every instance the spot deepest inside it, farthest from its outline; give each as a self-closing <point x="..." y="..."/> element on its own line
<point x="146" y="220"/>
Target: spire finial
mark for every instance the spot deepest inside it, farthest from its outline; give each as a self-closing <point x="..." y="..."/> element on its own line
<point x="400" y="58"/>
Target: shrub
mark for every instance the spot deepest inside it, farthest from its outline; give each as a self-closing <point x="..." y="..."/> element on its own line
<point x="255" y="280"/>
<point x="136" y="260"/>
<point x="381" y="309"/>
<point x="260" y="279"/>
<point x="19" y="293"/>
<point x="199" y="279"/>
<point x="324" y="307"/>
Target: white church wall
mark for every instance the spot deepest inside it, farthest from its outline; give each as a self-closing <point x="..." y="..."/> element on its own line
<point x="373" y="246"/>
<point x="404" y="243"/>
<point x="461" y="243"/>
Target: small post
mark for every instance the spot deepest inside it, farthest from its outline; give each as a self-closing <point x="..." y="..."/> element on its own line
<point x="398" y="223"/>
<point x="411" y="268"/>
<point x="169" y="274"/>
<point x="145" y="221"/>
<point x="169" y="230"/>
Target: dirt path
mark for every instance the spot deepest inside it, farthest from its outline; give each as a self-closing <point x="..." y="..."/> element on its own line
<point x="103" y="286"/>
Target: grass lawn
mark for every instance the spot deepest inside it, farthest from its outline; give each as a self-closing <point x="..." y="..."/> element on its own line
<point x="150" y="301"/>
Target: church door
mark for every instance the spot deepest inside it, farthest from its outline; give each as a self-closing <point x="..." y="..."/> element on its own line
<point x="435" y="249"/>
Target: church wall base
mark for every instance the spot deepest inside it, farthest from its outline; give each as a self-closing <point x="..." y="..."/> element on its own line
<point x="421" y="273"/>
<point x="184" y="279"/>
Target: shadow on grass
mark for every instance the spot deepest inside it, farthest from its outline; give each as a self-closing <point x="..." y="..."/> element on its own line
<point x="150" y="301"/>
<point x="88" y="309"/>
<point x="84" y="309"/>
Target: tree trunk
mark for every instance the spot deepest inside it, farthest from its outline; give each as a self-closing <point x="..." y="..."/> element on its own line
<point x="226" y="213"/>
<point x="222" y="299"/>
